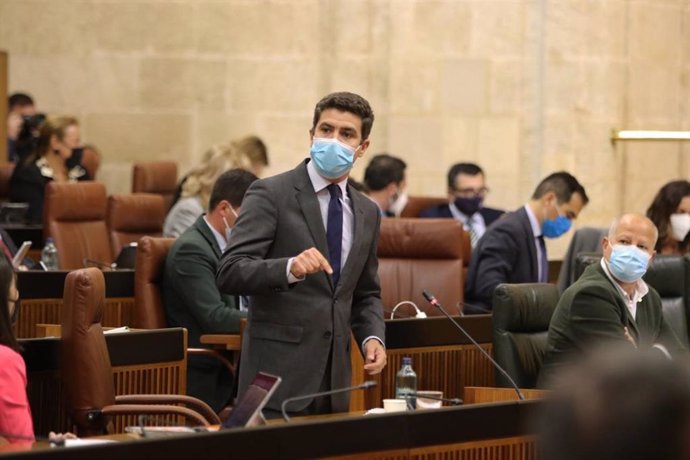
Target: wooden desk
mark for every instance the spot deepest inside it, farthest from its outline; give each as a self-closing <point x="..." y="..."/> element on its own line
<point x="480" y="395"/>
<point x="442" y="357"/>
<point x="145" y="361"/>
<point x="489" y="432"/>
<point x="41" y="293"/>
<point x="231" y="342"/>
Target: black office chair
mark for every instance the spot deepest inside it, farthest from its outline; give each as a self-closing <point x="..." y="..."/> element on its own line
<point x="522" y="313"/>
<point x="670" y="276"/>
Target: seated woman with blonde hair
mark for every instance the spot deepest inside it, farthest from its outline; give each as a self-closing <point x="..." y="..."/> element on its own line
<point x="247" y="153"/>
<point x="670" y="212"/>
<point x="56" y="157"/>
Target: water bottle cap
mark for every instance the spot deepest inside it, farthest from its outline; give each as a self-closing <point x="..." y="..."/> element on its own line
<point x="49" y="240"/>
<point x="407" y="360"/>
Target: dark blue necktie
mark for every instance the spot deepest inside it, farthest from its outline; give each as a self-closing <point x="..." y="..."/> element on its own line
<point x="544" y="261"/>
<point x="334" y="230"/>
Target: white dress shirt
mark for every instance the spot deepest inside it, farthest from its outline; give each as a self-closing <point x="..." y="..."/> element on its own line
<point x="536" y="231"/>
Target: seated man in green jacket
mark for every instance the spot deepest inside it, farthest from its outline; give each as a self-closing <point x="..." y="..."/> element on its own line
<point x="190" y="295"/>
<point x="610" y="302"/>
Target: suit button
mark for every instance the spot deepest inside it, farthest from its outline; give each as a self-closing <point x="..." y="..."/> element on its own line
<point x="327" y="334"/>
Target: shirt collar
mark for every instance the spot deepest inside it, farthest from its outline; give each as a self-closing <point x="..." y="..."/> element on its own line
<point x="534" y="222"/>
<point x="220" y="239"/>
<point x="641" y="288"/>
<point x="319" y="183"/>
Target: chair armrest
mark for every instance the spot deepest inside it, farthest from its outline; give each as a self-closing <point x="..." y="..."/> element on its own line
<point x="227" y="341"/>
<point x="214" y="354"/>
<point x="155" y="409"/>
<point x="195" y="405"/>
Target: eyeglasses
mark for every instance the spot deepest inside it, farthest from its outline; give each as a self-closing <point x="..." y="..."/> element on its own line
<point x="471" y="192"/>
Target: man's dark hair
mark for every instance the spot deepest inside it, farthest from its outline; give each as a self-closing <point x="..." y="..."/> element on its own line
<point x="563" y="185"/>
<point x="347" y="102"/>
<point x="19" y="100"/>
<point x="469" y="169"/>
<point x="231" y="186"/>
<point x="382" y="170"/>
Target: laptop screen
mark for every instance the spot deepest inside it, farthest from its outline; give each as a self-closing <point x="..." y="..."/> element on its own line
<point x="247" y="411"/>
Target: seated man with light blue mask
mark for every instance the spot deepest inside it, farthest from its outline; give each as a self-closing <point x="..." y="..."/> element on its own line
<point x="610" y="302"/>
<point x="512" y="250"/>
<point x="190" y="295"/>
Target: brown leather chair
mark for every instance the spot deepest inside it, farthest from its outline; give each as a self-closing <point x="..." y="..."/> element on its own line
<point x="422" y="254"/>
<point x="132" y="216"/>
<point x="91" y="161"/>
<point x="74" y="216"/>
<point x="416" y="204"/>
<point x="87" y="372"/>
<point x="6" y="171"/>
<point x="148" y="276"/>
<point x="150" y="312"/>
<point x="158" y="177"/>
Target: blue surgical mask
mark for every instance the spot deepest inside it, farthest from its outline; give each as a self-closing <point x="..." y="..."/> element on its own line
<point x="553" y="228"/>
<point x="332" y="158"/>
<point x="628" y="263"/>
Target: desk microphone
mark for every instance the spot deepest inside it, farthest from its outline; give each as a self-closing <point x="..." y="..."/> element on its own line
<point x="432" y="300"/>
<point x="363" y="386"/>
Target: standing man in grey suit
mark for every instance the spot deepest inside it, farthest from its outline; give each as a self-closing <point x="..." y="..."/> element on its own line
<point x="304" y="249"/>
<point x="190" y="295"/>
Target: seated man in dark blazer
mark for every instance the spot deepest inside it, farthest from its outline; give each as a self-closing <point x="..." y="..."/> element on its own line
<point x="466" y="192"/>
<point x="512" y="250"/>
<point x="190" y="295"/>
<point x="610" y="302"/>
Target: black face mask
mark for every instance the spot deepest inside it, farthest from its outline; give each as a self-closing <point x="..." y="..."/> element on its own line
<point x="75" y="158"/>
<point x="468" y="206"/>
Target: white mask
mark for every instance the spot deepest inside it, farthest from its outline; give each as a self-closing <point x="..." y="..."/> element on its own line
<point x="680" y="225"/>
<point x="228" y="229"/>
<point x="397" y="205"/>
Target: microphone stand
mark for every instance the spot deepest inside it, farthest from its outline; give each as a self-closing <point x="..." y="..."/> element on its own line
<point x="451" y="401"/>
<point x="364" y="386"/>
<point x="432" y="300"/>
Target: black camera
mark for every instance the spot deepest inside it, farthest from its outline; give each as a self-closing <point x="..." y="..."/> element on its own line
<point x="28" y="135"/>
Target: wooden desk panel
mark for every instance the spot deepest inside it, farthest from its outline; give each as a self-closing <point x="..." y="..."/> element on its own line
<point x="442" y="357"/>
<point x="116" y="312"/>
<point x="135" y="370"/>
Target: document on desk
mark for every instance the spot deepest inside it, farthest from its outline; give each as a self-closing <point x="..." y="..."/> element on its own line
<point x="86" y="442"/>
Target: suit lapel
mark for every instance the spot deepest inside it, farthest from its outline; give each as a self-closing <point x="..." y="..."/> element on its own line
<point x="309" y="205"/>
<point x="357" y="233"/>
<point x="527" y="228"/>
<point x="208" y="235"/>
<point x="631" y="323"/>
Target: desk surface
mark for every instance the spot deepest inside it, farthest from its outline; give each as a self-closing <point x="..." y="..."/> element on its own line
<point x="333" y="437"/>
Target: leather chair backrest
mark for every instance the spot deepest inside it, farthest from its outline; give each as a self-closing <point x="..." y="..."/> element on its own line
<point x="87" y="372"/>
<point x="74" y="216"/>
<point x="132" y="216"/>
<point x="416" y="204"/>
<point x="670" y="276"/>
<point x="148" y="276"/>
<point x="158" y="177"/>
<point x="418" y="254"/>
<point x="585" y="240"/>
<point x="522" y="313"/>
<point x="91" y="161"/>
<point x="6" y="171"/>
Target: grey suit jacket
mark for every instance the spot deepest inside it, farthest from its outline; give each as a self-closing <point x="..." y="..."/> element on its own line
<point x="295" y="330"/>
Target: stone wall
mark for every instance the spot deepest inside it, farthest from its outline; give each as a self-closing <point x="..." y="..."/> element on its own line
<point x="521" y="87"/>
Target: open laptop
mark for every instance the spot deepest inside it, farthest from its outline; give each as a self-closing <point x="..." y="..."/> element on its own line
<point x="245" y="413"/>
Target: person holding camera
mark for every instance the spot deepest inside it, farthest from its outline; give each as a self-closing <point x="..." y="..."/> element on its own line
<point x="55" y="157"/>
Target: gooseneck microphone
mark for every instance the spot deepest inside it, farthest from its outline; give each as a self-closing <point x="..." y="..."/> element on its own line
<point x="432" y="300"/>
<point x="362" y="386"/>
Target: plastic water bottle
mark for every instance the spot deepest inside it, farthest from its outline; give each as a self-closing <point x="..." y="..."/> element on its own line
<point x="49" y="255"/>
<point x="406" y="383"/>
